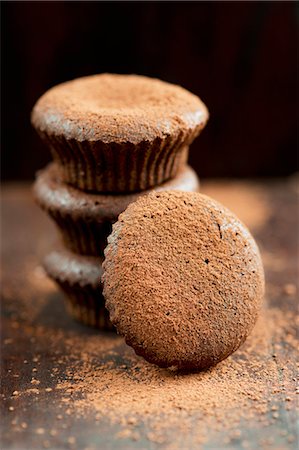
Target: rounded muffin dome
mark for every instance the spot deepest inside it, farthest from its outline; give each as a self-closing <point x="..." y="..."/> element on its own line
<point x="118" y="133"/>
<point x="118" y="108"/>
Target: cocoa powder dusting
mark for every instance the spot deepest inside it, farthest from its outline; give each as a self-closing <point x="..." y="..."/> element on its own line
<point x="65" y="383"/>
<point x="183" y="279"/>
<point x="129" y="391"/>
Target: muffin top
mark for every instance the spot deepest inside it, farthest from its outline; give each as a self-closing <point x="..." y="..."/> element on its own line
<point x="118" y="108"/>
<point x="53" y="194"/>
<point x="183" y="279"/>
<point x="74" y="269"/>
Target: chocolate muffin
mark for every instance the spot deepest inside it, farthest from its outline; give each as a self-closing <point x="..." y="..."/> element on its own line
<point x="79" y="278"/>
<point x="118" y="133"/>
<point x="85" y="219"/>
<point x="183" y="279"/>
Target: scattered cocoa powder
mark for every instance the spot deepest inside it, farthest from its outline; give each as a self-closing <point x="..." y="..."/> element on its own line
<point x="107" y="383"/>
<point x="136" y="392"/>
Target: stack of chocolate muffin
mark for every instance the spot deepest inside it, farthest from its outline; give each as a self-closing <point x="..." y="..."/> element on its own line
<point x="113" y="138"/>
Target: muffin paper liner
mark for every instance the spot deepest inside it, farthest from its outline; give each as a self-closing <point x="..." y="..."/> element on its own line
<point x="96" y="166"/>
<point x="86" y="306"/>
<point x="80" y="236"/>
<point x="81" y="286"/>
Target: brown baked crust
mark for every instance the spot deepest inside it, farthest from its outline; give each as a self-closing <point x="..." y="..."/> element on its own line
<point x="118" y="109"/>
<point x="183" y="279"/>
<point x="76" y="270"/>
<point x="85" y="219"/>
<point x="118" y="133"/>
<point x="79" y="279"/>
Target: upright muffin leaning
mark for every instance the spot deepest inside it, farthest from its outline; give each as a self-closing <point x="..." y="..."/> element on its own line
<point x="118" y="133"/>
<point x="183" y="279"/>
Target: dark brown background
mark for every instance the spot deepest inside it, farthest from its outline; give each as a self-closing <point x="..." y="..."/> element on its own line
<point x="239" y="57"/>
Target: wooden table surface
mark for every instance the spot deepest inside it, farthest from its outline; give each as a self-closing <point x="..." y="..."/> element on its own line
<point x="31" y="303"/>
